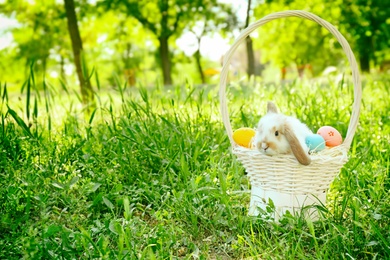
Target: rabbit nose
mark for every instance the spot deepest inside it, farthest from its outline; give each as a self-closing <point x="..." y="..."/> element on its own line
<point x="264" y="146"/>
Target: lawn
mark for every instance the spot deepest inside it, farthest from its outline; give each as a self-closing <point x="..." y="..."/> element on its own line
<point x="150" y="175"/>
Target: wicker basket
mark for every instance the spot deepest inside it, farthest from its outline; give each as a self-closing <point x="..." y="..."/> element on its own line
<point x="281" y="178"/>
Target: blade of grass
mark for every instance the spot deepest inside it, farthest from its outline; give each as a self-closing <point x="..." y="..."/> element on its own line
<point x="85" y="70"/>
<point x="4" y="96"/>
<point x="111" y="110"/>
<point x="78" y="96"/>
<point x="119" y="85"/>
<point x="97" y="80"/>
<point x="23" y="86"/>
<point x="28" y="98"/>
<point x="20" y="122"/>
<point x="35" y="115"/>
<point x="63" y="86"/>
<point x="47" y="106"/>
<point x="92" y="116"/>
<point x="144" y="94"/>
<point x="35" y="110"/>
<point x="189" y="95"/>
<point x="3" y="124"/>
<point x="379" y="232"/>
<point x="32" y="73"/>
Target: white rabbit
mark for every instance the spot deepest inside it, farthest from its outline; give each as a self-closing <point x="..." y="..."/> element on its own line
<point x="280" y="134"/>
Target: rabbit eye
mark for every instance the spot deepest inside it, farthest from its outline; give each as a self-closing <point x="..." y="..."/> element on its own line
<point x="276" y="133"/>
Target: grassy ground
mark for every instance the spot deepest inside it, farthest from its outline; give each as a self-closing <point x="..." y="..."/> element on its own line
<point x="150" y="176"/>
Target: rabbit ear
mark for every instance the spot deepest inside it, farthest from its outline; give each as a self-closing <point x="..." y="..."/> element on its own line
<point x="271" y="108"/>
<point x="296" y="147"/>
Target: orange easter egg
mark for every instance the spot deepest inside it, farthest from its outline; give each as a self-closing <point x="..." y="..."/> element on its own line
<point x="331" y="136"/>
<point x="243" y="136"/>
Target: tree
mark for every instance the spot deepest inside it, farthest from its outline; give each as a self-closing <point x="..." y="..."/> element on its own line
<point x="298" y="41"/>
<point x="36" y="41"/>
<point x="367" y="23"/>
<point x="198" y="56"/>
<point x="128" y="40"/>
<point x="215" y="18"/>
<point x="77" y="47"/>
<point x="164" y="18"/>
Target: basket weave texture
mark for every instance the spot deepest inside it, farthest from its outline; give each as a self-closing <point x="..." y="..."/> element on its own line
<point x="283" y="173"/>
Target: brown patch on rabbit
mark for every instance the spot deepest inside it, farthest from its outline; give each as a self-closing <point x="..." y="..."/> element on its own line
<point x="296" y="147"/>
<point x="272" y="145"/>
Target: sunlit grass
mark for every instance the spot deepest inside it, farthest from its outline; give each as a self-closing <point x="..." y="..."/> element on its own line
<point x="149" y="174"/>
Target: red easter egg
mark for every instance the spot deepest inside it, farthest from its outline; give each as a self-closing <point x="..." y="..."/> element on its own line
<point x="331" y="136"/>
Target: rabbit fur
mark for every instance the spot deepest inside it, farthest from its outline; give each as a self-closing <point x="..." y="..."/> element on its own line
<point x="280" y="134"/>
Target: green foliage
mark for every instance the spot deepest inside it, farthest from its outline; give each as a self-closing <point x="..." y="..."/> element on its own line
<point x="364" y="23"/>
<point x="297" y="41"/>
<point x="167" y="19"/>
<point x="150" y="175"/>
<point x="37" y="40"/>
<point x="367" y="23"/>
<point x="123" y="39"/>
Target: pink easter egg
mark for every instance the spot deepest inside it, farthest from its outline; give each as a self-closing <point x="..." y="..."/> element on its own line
<point x="331" y="136"/>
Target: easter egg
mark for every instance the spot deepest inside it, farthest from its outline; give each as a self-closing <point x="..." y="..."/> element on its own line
<point x="331" y="135"/>
<point x="243" y="136"/>
<point x="315" y="142"/>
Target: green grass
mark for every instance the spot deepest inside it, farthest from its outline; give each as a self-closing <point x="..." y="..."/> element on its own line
<point x="149" y="175"/>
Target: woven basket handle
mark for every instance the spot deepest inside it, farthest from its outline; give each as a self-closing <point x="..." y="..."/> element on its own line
<point x="303" y="14"/>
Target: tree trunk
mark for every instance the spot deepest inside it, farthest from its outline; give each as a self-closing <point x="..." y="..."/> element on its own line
<point x="199" y="66"/>
<point x="165" y="60"/>
<point x="366" y="48"/>
<point x="251" y="57"/>
<point x="199" y="63"/>
<point x="364" y="60"/>
<point x="300" y="70"/>
<point x="283" y="73"/>
<point x="249" y="45"/>
<point x="85" y="84"/>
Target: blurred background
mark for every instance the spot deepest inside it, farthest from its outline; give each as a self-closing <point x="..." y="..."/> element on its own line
<point x="151" y="42"/>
